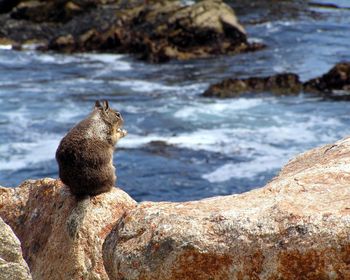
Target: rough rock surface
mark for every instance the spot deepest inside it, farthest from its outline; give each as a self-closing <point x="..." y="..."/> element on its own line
<point x="12" y="264"/>
<point x="335" y="85"/>
<point x="153" y="30"/>
<point x="164" y="30"/>
<point x="61" y="238"/>
<point x="280" y="84"/>
<point x="296" y="227"/>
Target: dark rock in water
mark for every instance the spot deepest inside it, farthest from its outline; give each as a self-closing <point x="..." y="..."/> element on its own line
<point x="156" y="31"/>
<point x="7" y="5"/>
<point x="50" y="11"/>
<point x="21" y="32"/>
<point x="93" y="30"/>
<point x="280" y="84"/>
<point x="333" y="85"/>
<point x="338" y="78"/>
<point x="165" y="30"/>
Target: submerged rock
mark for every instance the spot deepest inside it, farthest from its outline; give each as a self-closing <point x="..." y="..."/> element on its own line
<point x="62" y="238"/>
<point x="156" y="31"/>
<point x="296" y="227"/>
<point x="12" y="264"/>
<point x="280" y="84"/>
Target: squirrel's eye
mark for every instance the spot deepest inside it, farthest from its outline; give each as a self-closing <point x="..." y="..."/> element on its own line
<point x="117" y="114"/>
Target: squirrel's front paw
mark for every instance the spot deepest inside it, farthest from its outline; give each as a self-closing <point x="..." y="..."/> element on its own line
<point x="122" y="132"/>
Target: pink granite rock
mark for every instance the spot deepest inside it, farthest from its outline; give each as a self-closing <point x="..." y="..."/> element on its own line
<point x="62" y="238"/>
<point x="296" y="227"/>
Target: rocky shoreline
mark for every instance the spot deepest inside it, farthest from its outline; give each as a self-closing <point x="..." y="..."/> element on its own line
<point x="156" y="31"/>
<point x="296" y="227"/>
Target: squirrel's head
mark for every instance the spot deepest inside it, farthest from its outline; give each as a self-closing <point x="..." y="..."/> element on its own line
<point x="110" y="116"/>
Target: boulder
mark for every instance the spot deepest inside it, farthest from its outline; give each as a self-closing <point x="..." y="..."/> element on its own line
<point x="12" y="264"/>
<point x="164" y="30"/>
<point x="296" y="227"/>
<point x="335" y="85"/>
<point x="39" y="21"/>
<point x="61" y="237"/>
<point x="7" y="5"/>
<point x="336" y="79"/>
<point x="156" y="31"/>
<point x="280" y="84"/>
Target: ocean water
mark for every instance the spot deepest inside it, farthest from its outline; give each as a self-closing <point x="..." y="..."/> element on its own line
<point x="181" y="146"/>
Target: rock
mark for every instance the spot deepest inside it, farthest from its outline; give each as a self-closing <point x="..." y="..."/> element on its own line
<point x="296" y="227"/>
<point x="164" y="30"/>
<point x="51" y="11"/>
<point x="280" y="84"/>
<point x="44" y="21"/>
<point x="338" y="78"/>
<point x="12" y="264"/>
<point x="333" y="85"/>
<point x="156" y="31"/>
<point x="61" y="237"/>
<point x="7" y="5"/>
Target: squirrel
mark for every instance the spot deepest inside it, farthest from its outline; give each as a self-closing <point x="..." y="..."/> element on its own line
<point x="85" y="154"/>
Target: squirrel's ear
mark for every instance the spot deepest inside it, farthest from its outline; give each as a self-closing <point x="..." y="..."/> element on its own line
<point x="98" y="104"/>
<point x="105" y="105"/>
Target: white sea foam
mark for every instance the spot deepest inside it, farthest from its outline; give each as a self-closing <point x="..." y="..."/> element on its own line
<point x="103" y="57"/>
<point x="245" y="169"/>
<point x="21" y="154"/>
<point x="68" y="113"/>
<point x="54" y="58"/>
<point x="6" y="47"/>
<point x="147" y="86"/>
<point x="217" y="108"/>
<point x="188" y="2"/>
<point x="221" y="140"/>
<point x="144" y="86"/>
<point x="20" y="117"/>
<point x="255" y="40"/>
<point x="227" y="139"/>
<point x="264" y="148"/>
<point x="202" y="139"/>
<point x="111" y="62"/>
<point x="31" y="47"/>
<point x="275" y="26"/>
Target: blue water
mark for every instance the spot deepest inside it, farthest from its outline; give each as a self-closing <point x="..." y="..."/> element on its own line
<point x="180" y="146"/>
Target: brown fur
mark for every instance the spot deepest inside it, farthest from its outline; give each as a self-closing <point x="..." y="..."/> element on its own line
<point x="85" y="154"/>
